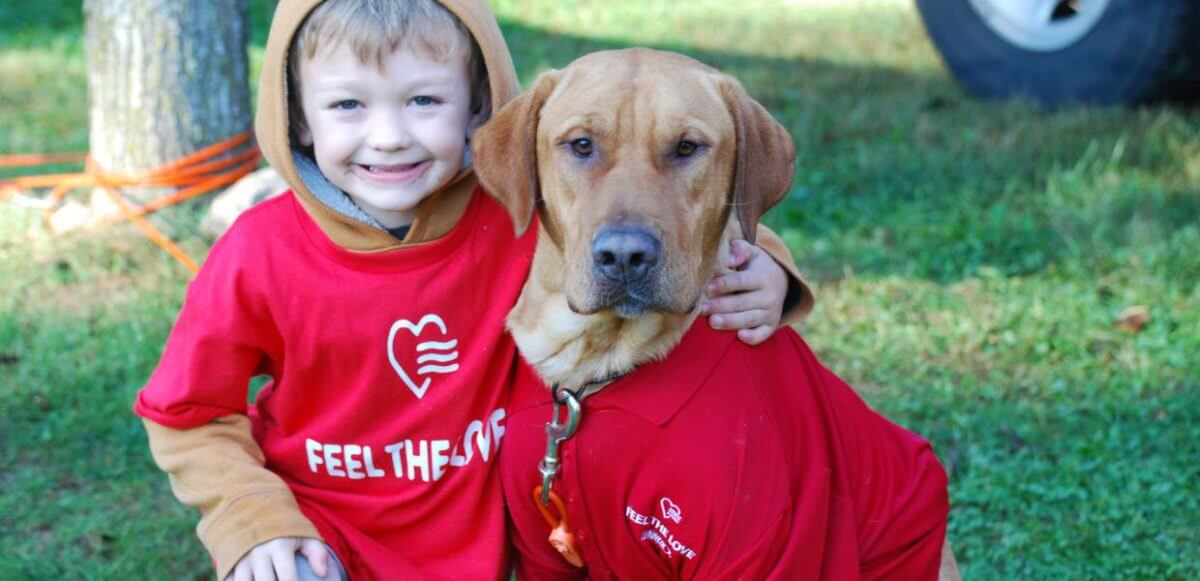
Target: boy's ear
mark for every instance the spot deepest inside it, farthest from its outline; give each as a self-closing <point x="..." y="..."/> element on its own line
<point x="482" y="112"/>
<point x="766" y="157"/>
<point x="504" y="152"/>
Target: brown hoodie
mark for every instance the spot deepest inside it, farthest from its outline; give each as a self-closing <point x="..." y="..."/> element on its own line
<point x="218" y="467"/>
<point x="439" y="212"/>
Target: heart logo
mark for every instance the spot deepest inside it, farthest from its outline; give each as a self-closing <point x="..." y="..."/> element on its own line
<point x="670" y="510"/>
<point x="432" y="356"/>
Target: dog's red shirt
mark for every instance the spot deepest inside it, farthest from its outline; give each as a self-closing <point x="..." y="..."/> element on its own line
<point x="728" y="461"/>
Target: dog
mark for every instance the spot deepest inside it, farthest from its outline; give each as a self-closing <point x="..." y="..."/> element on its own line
<point x="683" y="453"/>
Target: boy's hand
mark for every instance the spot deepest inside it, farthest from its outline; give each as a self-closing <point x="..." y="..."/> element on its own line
<point x="276" y="559"/>
<point x="750" y="299"/>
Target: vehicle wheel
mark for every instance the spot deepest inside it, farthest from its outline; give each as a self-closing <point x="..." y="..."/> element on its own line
<point x="1061" y="51"/>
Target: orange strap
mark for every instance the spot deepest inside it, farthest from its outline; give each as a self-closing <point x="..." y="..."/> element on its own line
<point x="192" y="175"/>
<point x="561" y="537"/>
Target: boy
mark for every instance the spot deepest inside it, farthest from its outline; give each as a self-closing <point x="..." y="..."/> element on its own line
<point x="374" y="296"/>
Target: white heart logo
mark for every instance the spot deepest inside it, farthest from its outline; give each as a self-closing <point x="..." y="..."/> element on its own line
<point x="439" y="354"/>
<point x="670" y="510"/>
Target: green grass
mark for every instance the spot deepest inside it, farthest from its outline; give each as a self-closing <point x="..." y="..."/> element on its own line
<point x="970" y="258"/>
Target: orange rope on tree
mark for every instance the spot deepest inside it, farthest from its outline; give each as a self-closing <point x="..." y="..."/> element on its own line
<point x="192" y="175"/>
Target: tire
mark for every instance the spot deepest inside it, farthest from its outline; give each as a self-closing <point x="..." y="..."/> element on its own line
<point x="1124" y="51"/>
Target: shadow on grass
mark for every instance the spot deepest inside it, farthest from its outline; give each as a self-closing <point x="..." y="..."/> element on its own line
<point x="25" y="24"/>
<point x="902" y="174"/>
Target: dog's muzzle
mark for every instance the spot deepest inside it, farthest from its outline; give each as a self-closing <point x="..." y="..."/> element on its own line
<point x="625" y="260"/>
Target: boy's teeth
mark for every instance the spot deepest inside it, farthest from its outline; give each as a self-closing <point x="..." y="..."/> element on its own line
<point x="398" y="167"/>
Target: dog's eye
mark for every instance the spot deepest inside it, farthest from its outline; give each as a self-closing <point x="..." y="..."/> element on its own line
<point x="582" y="147"/>
<point x="686" y="148"/>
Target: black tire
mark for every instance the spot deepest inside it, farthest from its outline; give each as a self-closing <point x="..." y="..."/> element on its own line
<point x="1138" y="51"/>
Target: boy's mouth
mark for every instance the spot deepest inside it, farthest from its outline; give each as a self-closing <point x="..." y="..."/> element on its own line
<point x="393" y="173"/>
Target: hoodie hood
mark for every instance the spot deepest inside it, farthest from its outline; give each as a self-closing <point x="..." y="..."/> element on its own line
<point x="438" y="213"/>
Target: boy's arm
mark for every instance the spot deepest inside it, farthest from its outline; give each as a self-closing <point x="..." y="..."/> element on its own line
<point x="218" y="468"/>
<point x="195" y="407"/>
<point x="799" y="299"/>
<point x="759" y="291"/>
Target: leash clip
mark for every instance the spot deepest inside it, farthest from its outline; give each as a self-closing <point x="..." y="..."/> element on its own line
<point x="556" y="434"/>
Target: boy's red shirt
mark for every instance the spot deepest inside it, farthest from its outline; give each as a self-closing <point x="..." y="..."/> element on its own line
<point x="727" y="461"/>
<point x="391" y="373"/>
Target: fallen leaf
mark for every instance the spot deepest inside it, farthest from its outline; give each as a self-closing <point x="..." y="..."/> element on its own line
<point x="1132" y="319"/>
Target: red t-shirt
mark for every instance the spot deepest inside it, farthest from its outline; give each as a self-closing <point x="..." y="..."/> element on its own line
<point x="728" y="461"/>
<point x="391" y="374"/>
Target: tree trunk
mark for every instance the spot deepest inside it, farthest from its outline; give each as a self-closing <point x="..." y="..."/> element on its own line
<point x="165" y="78"/>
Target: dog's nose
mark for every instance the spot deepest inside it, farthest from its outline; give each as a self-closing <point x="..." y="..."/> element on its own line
<point x="625" y="253"/>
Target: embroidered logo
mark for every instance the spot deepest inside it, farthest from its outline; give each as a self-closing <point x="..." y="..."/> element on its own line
<point x="433" y="357"/>
<point x="670" y="510"/>
<point x="657" y="532"/>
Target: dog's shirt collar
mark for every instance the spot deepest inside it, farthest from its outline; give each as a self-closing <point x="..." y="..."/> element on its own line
<point x="657" y="390"/>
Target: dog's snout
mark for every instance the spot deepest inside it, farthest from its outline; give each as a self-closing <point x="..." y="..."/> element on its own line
<point x="625" y="253"/>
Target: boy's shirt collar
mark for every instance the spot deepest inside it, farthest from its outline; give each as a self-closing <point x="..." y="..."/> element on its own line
<point x="400" y="232"/>
<point x="327" y="193"/>
<point x="435" y="216"/>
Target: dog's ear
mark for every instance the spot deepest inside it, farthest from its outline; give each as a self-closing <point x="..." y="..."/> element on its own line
<point x="765" y="160"/>
<point x="505" y="152"/>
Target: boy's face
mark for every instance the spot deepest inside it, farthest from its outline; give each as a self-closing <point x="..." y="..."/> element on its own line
<point x="387" y="137"/>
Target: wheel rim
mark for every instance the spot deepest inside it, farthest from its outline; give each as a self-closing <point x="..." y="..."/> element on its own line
<point x="1041" y="25"/>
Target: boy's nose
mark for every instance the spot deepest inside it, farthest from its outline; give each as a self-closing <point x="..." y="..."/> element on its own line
<point x="388" y="133"/>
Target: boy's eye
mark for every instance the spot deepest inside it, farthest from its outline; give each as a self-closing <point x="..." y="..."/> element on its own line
<point x="424" y="101"/>
<point x="347" y="105"/>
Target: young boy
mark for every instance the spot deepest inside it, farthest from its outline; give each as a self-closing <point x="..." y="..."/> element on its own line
<point x="373" y="295"/>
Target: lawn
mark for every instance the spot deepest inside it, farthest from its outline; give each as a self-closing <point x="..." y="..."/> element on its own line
<point x="970" y="259"/>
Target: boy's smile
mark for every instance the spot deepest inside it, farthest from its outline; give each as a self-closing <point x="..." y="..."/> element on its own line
<point x="390" y="135"/>
<point x="392" y="174"/>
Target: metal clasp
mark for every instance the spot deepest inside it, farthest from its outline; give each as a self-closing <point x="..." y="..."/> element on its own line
<point x="556" y="434"/>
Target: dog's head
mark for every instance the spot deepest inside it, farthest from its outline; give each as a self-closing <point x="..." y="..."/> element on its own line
<point x="634" y="160"/>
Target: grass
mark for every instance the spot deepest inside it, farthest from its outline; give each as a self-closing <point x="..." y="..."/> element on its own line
<point x="970" y="259"/>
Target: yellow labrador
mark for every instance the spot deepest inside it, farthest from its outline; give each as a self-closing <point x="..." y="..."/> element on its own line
<point x="640" y="166"/>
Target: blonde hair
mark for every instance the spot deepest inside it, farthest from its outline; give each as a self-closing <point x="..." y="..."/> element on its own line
<point x="374" y="29"/>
